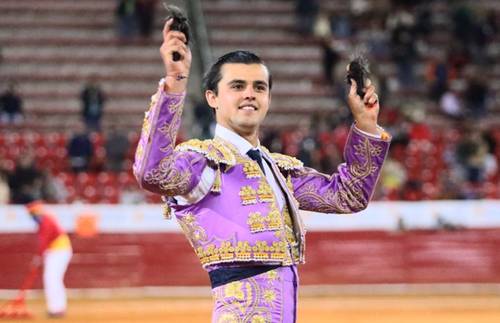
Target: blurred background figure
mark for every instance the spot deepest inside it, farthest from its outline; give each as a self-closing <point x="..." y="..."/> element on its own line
<point x="80" y="149"/>
<point x="306" y="12"/>
<point x="4" y="189"/>
<point x="145" y="12"/>
<point x="92" y="99"/>
<point x="126" y="17"/>
<point x="11" y="106"/>
<point x="116" y="147"/>
<point x="54" y="253"/>
<point x="26" y="180"/>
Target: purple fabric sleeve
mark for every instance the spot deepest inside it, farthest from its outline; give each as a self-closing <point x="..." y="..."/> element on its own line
<point x="158" y="167"/>
<point x="349" y="189"/>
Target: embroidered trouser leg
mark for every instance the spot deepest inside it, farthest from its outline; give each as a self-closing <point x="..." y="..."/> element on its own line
<point x="268" y="297"/>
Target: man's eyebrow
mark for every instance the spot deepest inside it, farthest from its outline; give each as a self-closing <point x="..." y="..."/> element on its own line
<point x="260" y="83"/>
<point x="236" y="82"/>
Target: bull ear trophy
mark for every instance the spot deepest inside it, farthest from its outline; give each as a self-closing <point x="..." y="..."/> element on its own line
<point x="180" y="23"/>
<point x="358" y="70"/>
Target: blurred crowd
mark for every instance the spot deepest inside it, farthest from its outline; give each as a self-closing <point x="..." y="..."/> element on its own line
<point x="48" y="165"/>
<point x="430" y="60"/>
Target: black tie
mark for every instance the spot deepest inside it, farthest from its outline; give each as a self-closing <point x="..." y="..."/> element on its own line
<point x="255" y="155"/>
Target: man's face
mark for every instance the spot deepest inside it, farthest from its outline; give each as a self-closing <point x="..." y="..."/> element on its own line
<point x="243" y="97"/>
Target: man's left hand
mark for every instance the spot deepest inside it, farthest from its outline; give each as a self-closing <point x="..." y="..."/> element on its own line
<point x="365" y="111"/>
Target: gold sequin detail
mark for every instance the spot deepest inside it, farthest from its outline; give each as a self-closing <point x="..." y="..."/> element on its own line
<point x="251" y="169"/>
<point x="248" y="195"/>
<point x="256" y="222"/>
<point x="265" y="192"/>
<point x="243" y="251"/>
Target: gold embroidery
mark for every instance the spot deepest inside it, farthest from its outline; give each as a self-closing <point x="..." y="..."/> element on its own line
<point x="289" y="183"/>
<point x="248" y="195"/>
<point x="226" y="251"/>
<point x="228" y="318"/>
<point x="251" y="169"/>
<point x="259" y="319"/>
<point x="233" y="289"/>
<point x="193" y="231"/>
<point x="273" y="219"/>
<point x="246" y="301"/>
<point x="265" y="192"/>
<point x="213" y="150"/>
<point x="166" y="176"/>
<point x="243" y="251"/>
<point x="285" y="162"/>
<point x="256" y="222"/>
<point x="269" y="296"/>
<point x="272" y="275"/>
<point x="167" y="211"/>
<point x="216" y="187"/>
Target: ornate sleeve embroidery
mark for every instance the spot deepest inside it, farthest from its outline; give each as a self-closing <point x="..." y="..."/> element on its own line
<point x="351" y="187"/>
<point x="158" y="167"/>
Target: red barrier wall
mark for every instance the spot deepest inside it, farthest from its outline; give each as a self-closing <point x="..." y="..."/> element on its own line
<point x="361" y="257"/>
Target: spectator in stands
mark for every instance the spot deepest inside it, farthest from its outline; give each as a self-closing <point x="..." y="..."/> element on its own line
<point x="4" y="189"/>
<point x="306" y="12"/>
<point x="204" y="119"/>
<point x="451" y="103"/>
<point x="330" y="59"/>
<point x="401" y="25"/>
<point x="471" y="154"/>
<point x="437" y="75"/>
<point x="26" y="180"/>
<point x="93" y="99"/>
<point x="392" y="179"/>
<point x="80" y="149"/>
<point x="53" y="189"/>
<point x="131" y="194"/>
<point x="145" y="10"/>
<point x="11" y="106"/>
<point x="116" y="147"/>
<point x="126" y="19"/>
<point x="475" y="96"/>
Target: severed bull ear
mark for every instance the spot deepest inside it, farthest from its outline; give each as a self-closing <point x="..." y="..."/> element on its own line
<point x="180" y="23"/>
<point x="358" y="70"/>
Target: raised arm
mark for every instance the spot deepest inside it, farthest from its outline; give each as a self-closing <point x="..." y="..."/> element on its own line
<point x="351" y="187"/>
<point x="158" y="167"/>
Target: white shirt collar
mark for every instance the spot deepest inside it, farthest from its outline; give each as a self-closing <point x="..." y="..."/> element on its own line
<point x="238" y="141"/>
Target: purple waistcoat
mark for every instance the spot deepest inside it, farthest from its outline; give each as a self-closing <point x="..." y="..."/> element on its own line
<point x="238" y="220"/>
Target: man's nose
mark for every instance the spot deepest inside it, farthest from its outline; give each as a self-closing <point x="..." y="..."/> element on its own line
<point x="249" y="93"/>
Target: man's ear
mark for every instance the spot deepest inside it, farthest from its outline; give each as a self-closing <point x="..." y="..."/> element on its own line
<point x="211" y="98"/>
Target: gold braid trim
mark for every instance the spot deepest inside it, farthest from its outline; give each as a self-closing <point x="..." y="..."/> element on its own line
<point x="213" y="150"/>
<point x="285" y="162"/>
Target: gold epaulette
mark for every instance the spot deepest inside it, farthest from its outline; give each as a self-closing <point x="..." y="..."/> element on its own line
<point x="213" y="150"/>
<point x="287" y="163"/>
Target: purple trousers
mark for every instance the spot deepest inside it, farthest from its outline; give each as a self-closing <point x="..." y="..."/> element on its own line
<point x="270" y="297"/>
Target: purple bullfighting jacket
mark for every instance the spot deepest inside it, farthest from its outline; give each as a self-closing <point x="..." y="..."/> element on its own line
<point x="238" y="221"/>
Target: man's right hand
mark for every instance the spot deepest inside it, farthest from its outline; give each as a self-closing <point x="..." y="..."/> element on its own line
<point x="176" y="72"/>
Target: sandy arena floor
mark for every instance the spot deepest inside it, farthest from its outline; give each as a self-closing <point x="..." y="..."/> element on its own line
<point x="363" y="309"/>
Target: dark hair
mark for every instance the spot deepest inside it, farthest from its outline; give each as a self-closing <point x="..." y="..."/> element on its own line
<point x="213" y="75"/>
